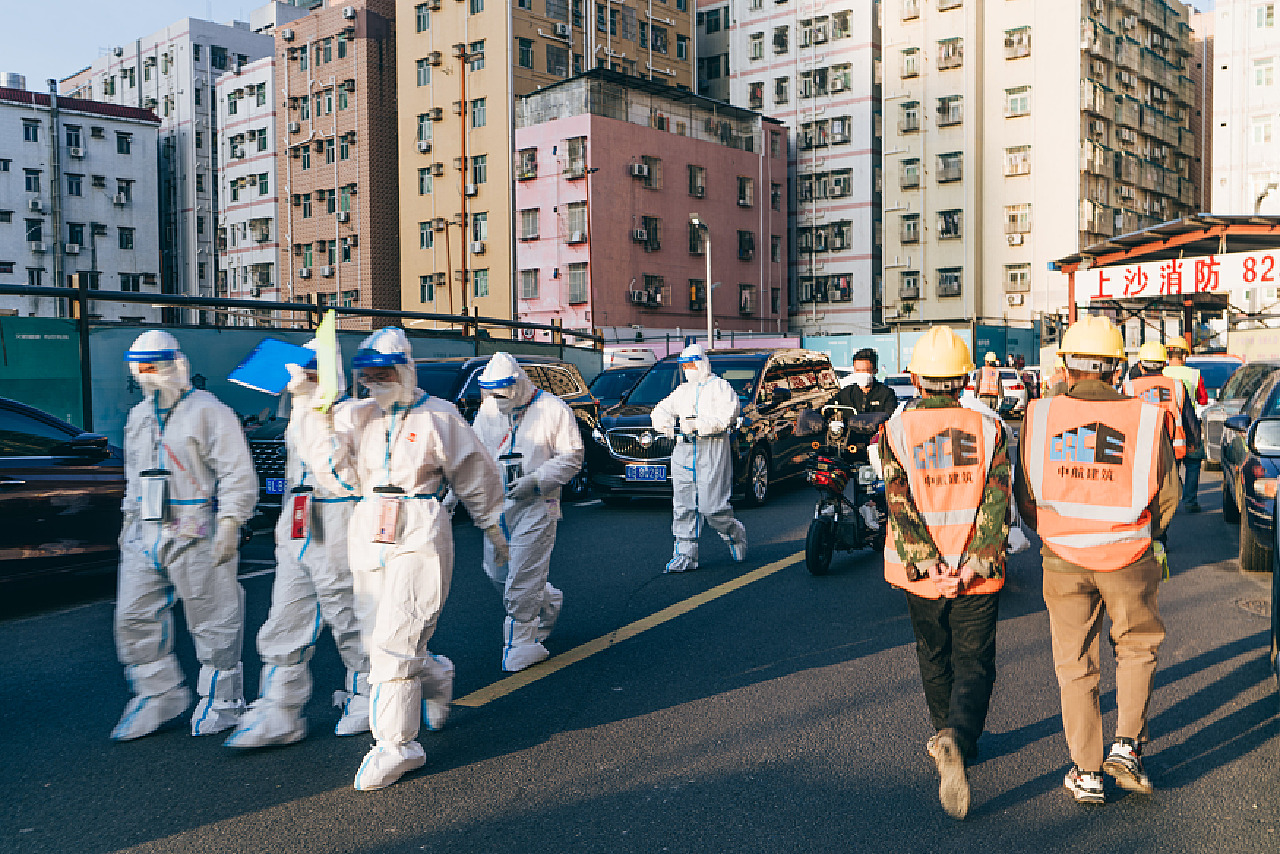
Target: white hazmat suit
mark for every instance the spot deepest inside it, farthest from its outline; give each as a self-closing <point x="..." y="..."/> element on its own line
<point x="398" y="450"/>
<point x="312" y="589"/>
<point x="518" y="419"/>
<point x="699" y="413"/>
<point x="190" y="486"/>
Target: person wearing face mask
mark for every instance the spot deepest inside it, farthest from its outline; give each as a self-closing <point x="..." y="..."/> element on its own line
<point x="398" y="450"/>
<point x="534" y="437"/>
<point x="866" y="393"/>
<point x="190" y="486"/>
<point x="312" y="589"/>
<point x="699" y="414"/>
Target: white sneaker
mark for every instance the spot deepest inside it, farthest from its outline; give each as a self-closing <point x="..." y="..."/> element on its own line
<point x="386" y="763"/>
<point x="267" y="725"/>
<point x="144" y="715"/>
<point x="214" y="716"/>
<point x="355" y="713"/>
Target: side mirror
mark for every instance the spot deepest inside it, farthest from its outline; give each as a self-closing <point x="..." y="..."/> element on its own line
<point x="85" y="448"/>
<point x="1264" y="437"/>
<point x="1238" y="423"/>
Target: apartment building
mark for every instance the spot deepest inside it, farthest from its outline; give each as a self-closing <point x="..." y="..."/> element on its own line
<point x="77" y="197"/>
<point x="813" y="65"/>
<point x="1201" y="65"/>
<point x="173" y="72"/>
<point x="337" y="219"/>
<point x="1246" y="108"/>
<point x="462" y="65"/>
<point x="986" y="105"/>
<point x="619" y="184"/>
<point x="711" y="35"/>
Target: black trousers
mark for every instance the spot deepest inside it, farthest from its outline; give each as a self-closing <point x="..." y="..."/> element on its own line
<point x="956" y="648"/>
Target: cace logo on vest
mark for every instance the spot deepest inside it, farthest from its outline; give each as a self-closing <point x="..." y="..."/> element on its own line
<point x="1088" y="443"/>
<point x="1156" y="394"/>
<point x="950" y="448"/>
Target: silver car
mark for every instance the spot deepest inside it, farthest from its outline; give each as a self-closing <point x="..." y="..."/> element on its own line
<point x="1230" y="400"/>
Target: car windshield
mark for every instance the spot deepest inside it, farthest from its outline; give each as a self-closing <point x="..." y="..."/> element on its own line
<point x="612" y="385"/>
<point x="897" y="380"/>
<point x="1214" y="372"/>
<point x="662" y="378"/>
<point x="438" y="378"/>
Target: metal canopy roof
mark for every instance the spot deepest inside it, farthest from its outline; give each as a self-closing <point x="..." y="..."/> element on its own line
<point x="1201" y="234"/>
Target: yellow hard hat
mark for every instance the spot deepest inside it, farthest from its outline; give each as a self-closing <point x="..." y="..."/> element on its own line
<point x="991" y="357"/>
<point x="1153" y="351"/>
<point x="940" y="353"/>
<point x="1093" y="336"/>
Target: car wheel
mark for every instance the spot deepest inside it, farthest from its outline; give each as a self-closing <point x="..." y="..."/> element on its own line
<point x="758" y="478"/>
<point x="1254" y="556"/>
<point x="1230" y="510"/>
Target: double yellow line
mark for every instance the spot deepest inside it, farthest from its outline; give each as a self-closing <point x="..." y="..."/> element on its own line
<point x="516" y="681"/>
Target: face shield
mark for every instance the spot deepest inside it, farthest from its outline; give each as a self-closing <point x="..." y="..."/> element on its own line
<point x="506" y="382"/>
<point x="159" y="366"/>
<point x="693" y="362"/>
<point x="382" y="365"/>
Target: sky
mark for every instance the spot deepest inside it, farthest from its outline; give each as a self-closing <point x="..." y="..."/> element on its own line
<point x="79" y="31"/>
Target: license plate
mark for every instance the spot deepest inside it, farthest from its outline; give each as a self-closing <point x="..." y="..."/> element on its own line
<point x="275" y="485"/>
<point x="647" y="473"/>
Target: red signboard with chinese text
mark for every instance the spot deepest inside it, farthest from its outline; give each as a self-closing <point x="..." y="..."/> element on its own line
<point x="1178" y="276"/>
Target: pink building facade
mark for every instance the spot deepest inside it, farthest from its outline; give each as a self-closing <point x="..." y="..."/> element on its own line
<point x="610" y="171"/>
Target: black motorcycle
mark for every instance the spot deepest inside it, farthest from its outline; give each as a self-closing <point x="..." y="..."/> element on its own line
<point x="841" y="436"/>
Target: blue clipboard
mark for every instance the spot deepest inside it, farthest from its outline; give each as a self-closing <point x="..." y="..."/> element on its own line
<point x="264" y="369"/>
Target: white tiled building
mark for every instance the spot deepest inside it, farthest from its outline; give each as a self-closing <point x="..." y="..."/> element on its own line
<point x="173" y="73"/>
<point x="1246" y="108"/>
<point x="812" y="64"/>
<point x="77" y="196"/>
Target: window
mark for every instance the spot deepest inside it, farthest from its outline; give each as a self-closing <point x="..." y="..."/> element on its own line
<point x="755" y="95"/>
<point x="1262" y="130"/>
<point x="746" y="298"/>
<point x="344" y="147"/>
<point x="306" y="157"/>
<point x="343" y="98"/>
<point x="1017" y="101"/>
<point x="424" y="127"/>
<point x="911" y="62"/>
<point x="422" y="17"/>
<point x="478" y="119"/>
<point x="232" y="107"/>
<point x="35" y="277"/>
<point x="910" y="174"/>
<point x="524" y="53"/>
<point x="424" y="72"/>
<point x="529" y="224"/>
<point x="126" y="238"/>
<point x="697" y="181"/>
<point x="775" y="197"/>
<point x="5" y="165"/>
<point x="480" y="226"/>
<point x="124" y="143"/>
<point x="746" y="192"/>
<point x="426" y="236"/>
<point x="780" y="39"/>
<point x="577" y="150"/>
<point x="1264" y="72"/>
<point x="75" y="186"/>
<point x="697" y="295"/>
<point x="75" y="139"/>
<point x="950" y="167"/>
<point x="950" y="53"/>
<point x="1017" y="43"/>
<point x="480" y="169"/>
<point x="75" y="233"/>
<point x="576" y="217"/>
<point x="475" y="55"/>
<point x="199" y="182"/>
<point x="306" y="207"/>
<point x="652" y="227"/>
<point x="345" y="192"/>
<point x="264" y="188"/>
<point x="1017" y="160"/>
<point x="528" y="164"/>
<point x="713" y="21"/>
<point x="31" y="178"/>
<point x="780" y="86"/>
<point x="775" y="248"/>
<point x="653" y="180"/>
<point x="1266" y="16"/>
<point x="304" y="108"/>
<point x="577" y="281"/>
<point x="746" y="245"/>
<point x="476" y="7"/>
<point x="1017" y="278"/>
<point x="950" y="110"/>
<point x="480" y="282"/>
<point x="909" y="117"/>
<point x="682" y="46"/>
<point x="696" y="244"/>
<point x="1017" y="219"/>
<point x="131" y="282"/>
<point x="199" y="139"/>
<point x="30" y="130"/>
<point x="909" y="229"/>
<point x="35" y="230"/>
<point x="424" y="181"/>
<point x="949" y="281"/>
<point x="557" y="60"/>
<point x="427" y="288"/>
<point x="755" y="46"/>
<point x="528" y="284"/>
<point x="330" y="151"/>
<point x="950" y="224"/>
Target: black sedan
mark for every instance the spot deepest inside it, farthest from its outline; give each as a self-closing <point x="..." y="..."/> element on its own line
<point x="1249" y="478"/>
<point x="60" y="494"/>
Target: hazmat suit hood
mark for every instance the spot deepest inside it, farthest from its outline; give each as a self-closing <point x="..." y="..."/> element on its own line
<point x="173" y="373"/>
<point x="388" y="347"/>
<point x="506" y="382"/>
<point x="694" y="355"/>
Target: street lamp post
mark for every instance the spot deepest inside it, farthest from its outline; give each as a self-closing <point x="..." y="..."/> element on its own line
<point x="696" y="222"/>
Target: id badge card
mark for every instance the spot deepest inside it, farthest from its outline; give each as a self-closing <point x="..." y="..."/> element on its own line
<point x="387" y="514"/>
<point x="512" y="466"/>
<point x="300" y="513"/>
<point x="154" y="500"/>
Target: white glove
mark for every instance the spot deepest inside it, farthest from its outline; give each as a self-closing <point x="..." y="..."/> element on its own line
<point x="226" y="540"/>
<point x="299" y="384"/>
<point x="130" y="516"/>
<point x="501" y="554"/>
<point x="523" y="488"/>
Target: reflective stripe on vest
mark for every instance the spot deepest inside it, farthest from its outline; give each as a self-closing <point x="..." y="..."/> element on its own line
<point x="1091" y="465"/>
<point x="989" y="382"/>
<point x="946" y="453"/>
<point x="1169" y="394"/>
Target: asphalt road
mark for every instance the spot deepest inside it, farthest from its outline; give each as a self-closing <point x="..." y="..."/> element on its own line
<point x="764" y="710"/>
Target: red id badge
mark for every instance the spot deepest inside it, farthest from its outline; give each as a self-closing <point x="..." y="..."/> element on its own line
<point x="300" y="515"/>
<point x="387" y="520"/>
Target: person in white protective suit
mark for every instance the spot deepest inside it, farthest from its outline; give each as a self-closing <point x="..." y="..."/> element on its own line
<point x="534" y="437"/>
<point x="190" y="486"/>
<point x="312" y="589"/>
<point x="699" y="414"/>
<point x="398" y="450"/>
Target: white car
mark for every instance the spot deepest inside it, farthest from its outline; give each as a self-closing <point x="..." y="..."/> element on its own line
<point x="1010" y="382"/>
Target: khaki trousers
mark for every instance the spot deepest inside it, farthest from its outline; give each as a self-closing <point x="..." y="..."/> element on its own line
<point x="1076" y="601"/>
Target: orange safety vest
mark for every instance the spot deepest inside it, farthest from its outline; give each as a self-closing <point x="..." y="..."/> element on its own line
<point x="1092" y="467"/>
<point x="989" y="382"/>
<point x="1169" y="394"/>
<point x="947" y="456"/>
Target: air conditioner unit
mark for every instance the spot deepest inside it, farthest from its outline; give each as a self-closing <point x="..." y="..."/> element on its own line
<point x="73" y="248"/>
<point x="439" y="224"/>
<point x="354" y="240"/>
<point x="294" y="127"/>
<point x="424" y="146"/>
<point x="471" y="189"/>
<point x="349" y="12"/>
<point x="477" y="247"/>
<point x="460" y="50"/>
<point x="836" y="85"/>
<point x="37" y="246"/>
<point x="304" y="273"/>
<point x="433" y="5"/>
<point x="75" y="151"/>
<point x="435" y="58"/>
<point x="327" y="272"/>
<point x="436" y="114"/>
<point x="286" y="34"/>
<point x="637" y="297"/>
<point x="34" y="206"/>
<point x="1015" y="239"/>
<point x="1014" y="299"/>
<point x="120" y="199"/>
<point x="457" y="108"/>
<point x="563" y="30"/>
<point x="577" y="237"/>
<point x="344" y="216"/>
<point x="639" y="235"/>
<point x="459" y="163"/>
<point x="639" y="170"/>
<point x="437" y="169"/>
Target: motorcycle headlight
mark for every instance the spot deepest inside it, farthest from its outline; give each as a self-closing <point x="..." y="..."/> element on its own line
<point x="866" y="475"/>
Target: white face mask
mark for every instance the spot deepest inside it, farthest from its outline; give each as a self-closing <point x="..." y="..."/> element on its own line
<point x="863" y="379"/>
<point x="385" y="393"/>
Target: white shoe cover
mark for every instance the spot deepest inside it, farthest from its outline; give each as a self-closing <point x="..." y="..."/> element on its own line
<point x="522" y="648"/>
<point x="268" y="725"/>
<point x="1018" y="541"/>
<point x="221" y="700"/>
<point x="737" y="541"/>
<point x="355" y="713"/>
<point x="144" y="715"/>
<point x="681" y="563"/>
<point x="435" y="710"/>
<point x="386" y="763"/>
<point x="552" y="602"/>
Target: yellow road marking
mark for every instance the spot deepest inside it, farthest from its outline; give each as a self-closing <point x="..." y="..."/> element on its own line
<point x="516" y="681"/>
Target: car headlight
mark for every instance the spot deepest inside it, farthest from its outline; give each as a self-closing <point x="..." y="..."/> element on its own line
<point x="598" y="436"/>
